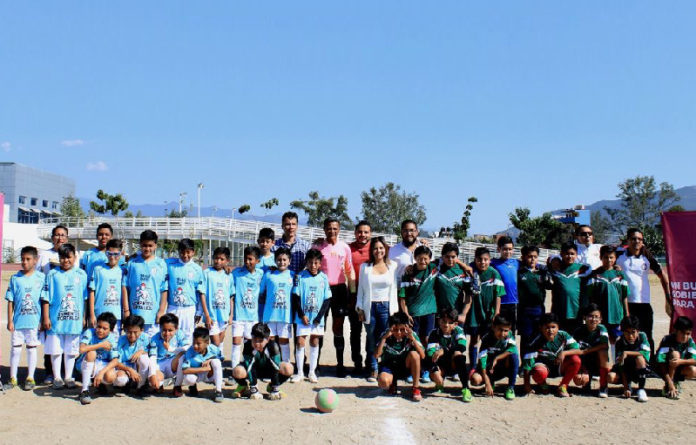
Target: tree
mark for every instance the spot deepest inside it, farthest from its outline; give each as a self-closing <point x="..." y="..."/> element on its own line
<point x="176" y="214"/>
<point x="243" y="208"/>
<point x="128" y="214"/>
<point x="461" y="229"/>
<point x="541" y="231"/>
<point x="642" y="203"/>
<point x="601" y="227"/>
<point x="386" y="207"/>
<point x="268" y="205"/>
<point x="109" y="203"/>
<point x="318" y="208"/>
<point x="71" y="208"/>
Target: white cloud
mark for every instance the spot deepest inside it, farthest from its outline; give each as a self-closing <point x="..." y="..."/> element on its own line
<point x="72" y="142"/>
<point x="6" y="146"/>
<point x="99" y="166"/>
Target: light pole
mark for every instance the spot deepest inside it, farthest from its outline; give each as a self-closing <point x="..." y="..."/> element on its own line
<point x="215" y="209"/>
<point x="200" y="187"/>
<point x="165" y="208"/>
<point x="182" y="195"/>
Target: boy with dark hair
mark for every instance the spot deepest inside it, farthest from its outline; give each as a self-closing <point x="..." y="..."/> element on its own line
<point x="261" y="360"/>
<point x="202" y="362"/>
<point x="218" y="291"/>
<point x="632" y="358"/>
<point x="131" y="360"/>
<point x="247" y="285"/>
<point x="97" y="349"/>
<point x="97" y="255"/>
<point x="608" y="288"/>
<point x="265" y="241"/>
<point x="507" y="267"/>
<point x="446" y="352"/>
<point x="165" y="350"/>
<point x="105" y="291"/>
<point x="532" y="283"/>
<point x="676" y="357"/>
<point x="278" y="284"/>
<point x="568" y="288"/>
<point x="417" y="293"/>
<point x="593" y="339"/>
<point x="498" y="358"/>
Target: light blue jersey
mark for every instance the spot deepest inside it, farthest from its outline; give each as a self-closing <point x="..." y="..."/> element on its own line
<point x="266" y="262"/>
<point x="145" y="281"/>
<point x="218" y="290"/>
<point x="25" y="292"/>
<point x="89" y="337"/>
<point x="106" y="284"/>
<point x="278" y="286"/>
<point x="94" y="257"/>
<point x="65" y="291"/>
<point x="192" y="359"/>
<point x="313" y="290"/>
<point x="184" y="283"/>
<point x="246" y="289"/>
<point x="178" y="343"/>
<point x="125" y="350"/>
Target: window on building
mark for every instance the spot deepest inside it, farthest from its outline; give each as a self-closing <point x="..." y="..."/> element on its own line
<point x="22" y="199"/>
<point x="44" y="203"/>
<point x="34" y="201"/>
<point x="27" y="217"/>
<point x="54" y="205"/>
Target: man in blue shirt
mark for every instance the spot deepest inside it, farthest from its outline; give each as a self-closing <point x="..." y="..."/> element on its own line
<point x="297" y="246"/>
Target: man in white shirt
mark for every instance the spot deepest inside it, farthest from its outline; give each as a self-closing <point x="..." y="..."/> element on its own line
<point x="402" y="253"/>
<point x="588" y="252"/>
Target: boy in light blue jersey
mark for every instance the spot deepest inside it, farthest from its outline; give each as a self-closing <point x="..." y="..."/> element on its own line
<point x="130" y="360"/>
<point x="265" y="241"/>
<point x="144" y="281"/>
<point x="277" y="313"/>
<point x="184" y="288"/>
<point x="311" y="299"/>
<point x="63" y="304"/>
<point x="202" y="362"/>
<point x="97" y="255"/>
<point x="218" y="291"/>
<point x="97" y="349"/>
<point x="105" y="290"/>
<point x="23" y="314"/>
<point x="247" y="285"/>
<point x="165" y="351"/>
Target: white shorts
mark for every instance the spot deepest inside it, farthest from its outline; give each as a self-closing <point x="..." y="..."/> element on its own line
<point x="29" y="337"/>
<point x="165" y="367"/>
<point x="151" y="329"/>
<point x="305" y="330"/>
<point x="242" y="328"/>
<point x="98" y="366"/>
<point x="186" y="315"/>
<point x="62" y="344"/>
<point x="217" y="328"/>
<point x="280" y="330"/>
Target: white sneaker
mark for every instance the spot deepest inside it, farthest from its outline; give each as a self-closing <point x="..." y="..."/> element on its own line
<point x="604" y="393"/>
<point x="642" y="395"/>
<point x="313" y="378"/>
<point x="296" y="378"/>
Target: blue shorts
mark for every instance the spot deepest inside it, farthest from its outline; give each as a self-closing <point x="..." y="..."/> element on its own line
<point x="398" y="370"/>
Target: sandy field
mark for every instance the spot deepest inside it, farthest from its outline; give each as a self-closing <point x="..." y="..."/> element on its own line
<point x="365" y="414"/>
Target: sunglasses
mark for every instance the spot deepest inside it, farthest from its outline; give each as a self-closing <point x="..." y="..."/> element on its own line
<point x="113" y="254"/>
<point x="585" y="233"/>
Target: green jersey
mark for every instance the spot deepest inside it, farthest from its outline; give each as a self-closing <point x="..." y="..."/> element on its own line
<point x="687" y="351"/>
<point x="418" y="289"/>
<point x="589" y="339"/>
<point x="450" y="285"/>
<point x="455" y="341"/>
<point x="543" y="351"/>
<point x="641" y="345"/>
<point x="568" y="292"/>
<point x="395" y="351"/>
<point x="531" y="286"/>
<point x="609" y="290"/>
<point x="483" y="304"/>
<point x="491" y="347"/>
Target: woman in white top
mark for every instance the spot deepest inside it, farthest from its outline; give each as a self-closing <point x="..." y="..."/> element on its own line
<point x="377" y="296"/>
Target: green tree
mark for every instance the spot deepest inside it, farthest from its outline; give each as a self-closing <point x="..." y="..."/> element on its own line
<point x="109" y="203"/>
<point x="601" y="226"/>
<point x="176" y="214"/>
<point x="268" y="205"/>
<point x="139" y="214"/>
<point x="70" y="207"/>
<point x="387" y="206"/>
<point x="128" y="214"/>
<point x="461" y="229"/>
<point x="542" y="231"/>
<point x="243" y="208"/>
<point x="317" y="208"/>
<point x="642" y="203"/>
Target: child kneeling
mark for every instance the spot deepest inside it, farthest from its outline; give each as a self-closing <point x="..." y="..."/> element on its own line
<point x="446" y="348"/>
<point x="632" y="358"/>
<point x="202" y="362"/>
<point x="498" y="358"/>
<point x="676" y="357"/>
<point x="97" y="349"/>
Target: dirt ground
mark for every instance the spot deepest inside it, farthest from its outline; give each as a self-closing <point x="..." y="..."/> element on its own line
<point x="365" y="414"/>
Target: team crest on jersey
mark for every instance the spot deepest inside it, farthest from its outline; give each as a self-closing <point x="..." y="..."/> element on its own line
<point x="248" y="300"/>
<point x="27" y="307"/>
<point x="68" y="309"/>
<point x="142" y="298"/>
<point x="311" y="303"/>
<point x="219" y="299"/>
<point x="280" y="299"/>
<point x="153" y="271"/>
<point x="179" y="298"/>
<point x="111" y="297"/>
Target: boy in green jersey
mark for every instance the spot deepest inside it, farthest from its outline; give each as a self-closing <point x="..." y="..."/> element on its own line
<point x="568" y="289"/>
<point x="608" y="288"/>
<point x="676" y="357"/>
<point x="445" y="351"/>
<point x="498" y="358"/>
<point x="593" y="339"/>
<point x="480" y="309"/>
<point x="400" y="353"/>
<point x="532" y="283"/>
<point x="452" y="281"/>
<point x="632" y="358"/>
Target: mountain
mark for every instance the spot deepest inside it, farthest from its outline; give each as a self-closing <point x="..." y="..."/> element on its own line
<point x="687" y="195"/>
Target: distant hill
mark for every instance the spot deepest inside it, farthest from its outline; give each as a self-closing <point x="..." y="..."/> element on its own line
<point x="687" y="195"/>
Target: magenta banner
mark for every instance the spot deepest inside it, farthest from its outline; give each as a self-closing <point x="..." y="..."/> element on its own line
<point x="679" y="231"/>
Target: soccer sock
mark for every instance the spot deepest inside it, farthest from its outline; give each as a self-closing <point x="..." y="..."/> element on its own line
<point x="571" y="366"/>
<point x="55" y="363"/>
<point x="217" y="374"/>
<point x="15" y="352"/>
<point x="179" y="375"/>
<point x="340" y="345"/>
<point x="603" y="377"/>
<point x="285" y="352"/>
<point x="313" y="359"/>
<point x="473" y="355"/>
<point x="143" y="369"/>
<point x="87" y="370"/>
<point x="642" y="373"/>
<point x="299" y="359"/>
<point x="31" y="362"/>
<point x="69" y="366"/>
<point x="514" y="369"/>
<point x="460" y="367"/>
<point x="236" y="354"/>
<point x="152" y="367"/>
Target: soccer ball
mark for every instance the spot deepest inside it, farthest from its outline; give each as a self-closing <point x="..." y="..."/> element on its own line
<point x="326" y="400"/>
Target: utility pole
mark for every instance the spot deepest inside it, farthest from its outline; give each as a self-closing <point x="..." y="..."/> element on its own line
<point x="200" y="187"/>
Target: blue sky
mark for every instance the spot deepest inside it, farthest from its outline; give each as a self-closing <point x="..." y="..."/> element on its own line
<point x="537" y="104"/>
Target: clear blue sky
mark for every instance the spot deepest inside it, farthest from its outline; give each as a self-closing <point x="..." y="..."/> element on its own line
<point x="538" y="104"/>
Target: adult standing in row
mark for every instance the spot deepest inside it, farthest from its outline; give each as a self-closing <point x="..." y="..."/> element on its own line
<point x="402" y="253"/>
<point x="636" y="262"/>
<point x="360" y="252"/>
<point x="297" y="246"/>
<point x="588" y="251"/>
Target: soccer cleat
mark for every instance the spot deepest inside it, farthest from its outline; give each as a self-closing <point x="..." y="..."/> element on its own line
<point x="275" y="395"/>
<point x="466" y="395"/>
<point x="372" y="378"/>
<point x="85" y="398"/>
<point x="70" y="383"/>
<point x="296" y="378"/>
<point x="563" y="391"/>
<point x="48" y="380"/>
<point x="58" y="384"/>
<point x="416" y="395"/>
<point x="439" y="388"/>
<point x="313" y="378"/>
<point x="642" y="395"/>
<point x="254" y="393"/>
<point x="177" y="392"/>
<point x="510" y="394"/>
<point x="193" y="391"/>
<point x="11" y="384"/>
<point x="409" y="379"/>
<point x="219" y="397"/>
<point x="29" y="384"/>
<point x="425" y="378"/>
<point x="603" y="393"/>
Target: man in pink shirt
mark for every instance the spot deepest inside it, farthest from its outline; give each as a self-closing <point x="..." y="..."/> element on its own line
<point x="337" y="264"/>
<point x="360" y="253"/>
